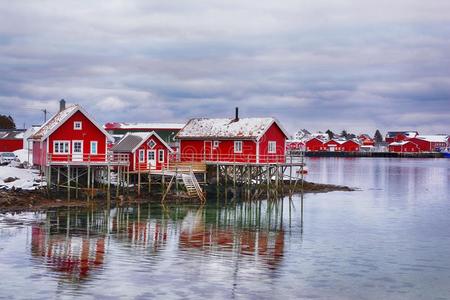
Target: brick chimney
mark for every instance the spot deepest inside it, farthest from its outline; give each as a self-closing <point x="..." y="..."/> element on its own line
<point x="62" y="105"/>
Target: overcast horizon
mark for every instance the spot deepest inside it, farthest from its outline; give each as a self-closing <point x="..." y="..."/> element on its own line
<point x="357" y="65"/>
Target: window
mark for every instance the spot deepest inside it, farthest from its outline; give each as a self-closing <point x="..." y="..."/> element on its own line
<point x="151" y="155"/>
<point x="237" y="146"/>
<point x="272" y="147"/>
<point x="77" y="125"/>
<point x="141" y="156"/>
<point x="77" y="147"/>
<point x="216" y="144"/>
<point x="151" y="144"/>
<point x="161" y="155"/>
<point x="61" y="147"/>
<point x="94" y="147"/>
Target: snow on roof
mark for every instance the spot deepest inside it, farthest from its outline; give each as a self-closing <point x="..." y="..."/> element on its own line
<point x="243" y="128"/>
<point x="407" y="133"/>
<point x="54" y="122"/>
<point x="11" y="134"/>
<point x="131" y="141"/>
<point x="137" y="126"/>
<point x="434" y="138"/>
<point x="399" y="143"/>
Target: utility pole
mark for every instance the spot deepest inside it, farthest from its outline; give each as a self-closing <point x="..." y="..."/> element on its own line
<point x="45" y="114"/>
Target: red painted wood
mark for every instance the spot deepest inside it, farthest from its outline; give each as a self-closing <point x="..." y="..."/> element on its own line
<point x="315" y="145"/>
<point x="408" y="147"/>
<point x="134" y="165"/>
<point x="10" y="145"/>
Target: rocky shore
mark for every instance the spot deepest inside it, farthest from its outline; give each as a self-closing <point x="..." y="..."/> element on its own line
<point x="12" y="200"/>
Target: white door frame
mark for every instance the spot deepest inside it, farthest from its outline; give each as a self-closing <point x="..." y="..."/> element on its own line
<point x="79" y="155"/>
<point x="151" y="163"/>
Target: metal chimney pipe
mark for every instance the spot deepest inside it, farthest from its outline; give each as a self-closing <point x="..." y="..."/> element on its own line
<point x="62" y="105"/>
<point x="236" y="118"/>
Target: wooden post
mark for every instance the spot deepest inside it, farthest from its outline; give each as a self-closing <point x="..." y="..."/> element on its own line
<point x="149" y="180"/>
<point x="88" y="181"/>
<point x="118" y="181"/>
<point x="163" y="181"/>
<point x="108" y="192"/>
<point x="58" y="178"/>
<point x="76" y="183"/>
<point x="68" y="181"/>
<point x="139" y="180"/>
<point x="49" y="178"/>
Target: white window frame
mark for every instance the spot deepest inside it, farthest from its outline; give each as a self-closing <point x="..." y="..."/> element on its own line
<point x="151" y="141"/>
<point x="161" y="158"/>
<point x="96" y="147"/>
<point x="272" y="147"/>
<point x="216" y="144"/>
<point x="141" y="155"/>
<point x="237" y="147"/>
<point x="61" y="142"/>
<point x="75" y="123"/>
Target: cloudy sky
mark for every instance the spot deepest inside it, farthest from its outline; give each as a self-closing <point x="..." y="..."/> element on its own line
<point x="356" y="65"/>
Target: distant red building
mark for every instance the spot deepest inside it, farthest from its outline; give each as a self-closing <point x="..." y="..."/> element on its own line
<point x="254" y="140"/>
<point x="11" y="140"/>
<point x="146" y="150"/>
<point x="333" y="145"/>
<point x="366" y="140"/>
<point x="314" y="145"/>
<point x="295" y="145"/>
<point x="431" y="143"/>
<point x="70" y="135"/>
<point x="350" y="146"/>
<point x="398" y="136"/>
<point x="403" y="146"/>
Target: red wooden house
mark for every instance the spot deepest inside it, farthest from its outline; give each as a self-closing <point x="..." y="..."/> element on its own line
<point x="333" y="145"/>
<point x="366" y="140"/>
<point x="295" y="145"/>
<point x="253" y="140"/>
<point x="403" y="146"/>
<point x="315" y="144"/>
<point x="350" y="146"/>
<point x="70" y="135"/>
<point x="431" y="143"/>
<point x="146" y="150"/>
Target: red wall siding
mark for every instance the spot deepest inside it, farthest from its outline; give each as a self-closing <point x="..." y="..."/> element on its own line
<point x="88" y="133"/>
<point x="314" y="145"/>
<point x="330" y="144"/>
<point x="350" y="146"/>
<point x="39" y="153"/>
<point x="10" y="145"/>
<point x="274" y="133"/>
<point x="144" y="165"/>
<point x="409" y="147"/>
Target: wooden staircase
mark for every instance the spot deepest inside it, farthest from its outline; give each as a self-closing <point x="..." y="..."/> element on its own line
<point x="192" y="186"/>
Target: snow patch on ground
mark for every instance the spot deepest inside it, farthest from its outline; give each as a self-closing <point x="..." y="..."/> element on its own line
<point x="22" y="155"/>
<point x="27" y="179"/>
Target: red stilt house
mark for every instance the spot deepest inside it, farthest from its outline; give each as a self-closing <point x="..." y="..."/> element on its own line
<point x="314" y="145"/>
<point x="250" y="140"/>
<point x="146" y="150"/>
<point x="403" y="146"/>
<point x="70" y="135"/>
<point x="431" y="143"/>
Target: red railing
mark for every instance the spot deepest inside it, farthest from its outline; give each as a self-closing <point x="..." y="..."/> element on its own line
<point x="237" y="158"/>
<point x="113" y="158"/>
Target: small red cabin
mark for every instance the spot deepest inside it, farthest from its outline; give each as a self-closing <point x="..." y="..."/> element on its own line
<point x="350" y="146"/>
<point x="251" y="140"/>
<point x="295" y="145"/>
<point x="334" y="145"/>
<point x="70" y="135"/>
<point x="146" y="150"/>
<point x="314" y="145"/>
<point x="403" y="146"/>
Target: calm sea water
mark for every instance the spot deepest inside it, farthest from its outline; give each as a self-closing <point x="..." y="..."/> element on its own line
<point x="389" y="240"/>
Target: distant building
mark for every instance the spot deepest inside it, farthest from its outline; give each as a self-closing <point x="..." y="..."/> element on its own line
<point x="431" y="143"/>
<point x="315" y="144"/>
<point x="11" y="139"/>
<point x="397" y="136"/>
<point x="295" y="145"/>
<point x="403" y="146"/>
<point x="27" y="143"/>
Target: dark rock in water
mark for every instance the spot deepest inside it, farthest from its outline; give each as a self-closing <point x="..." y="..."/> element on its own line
<point x="10" y="179"/>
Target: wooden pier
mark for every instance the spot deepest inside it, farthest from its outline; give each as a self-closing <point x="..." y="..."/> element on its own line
<point x="179" y="177"/>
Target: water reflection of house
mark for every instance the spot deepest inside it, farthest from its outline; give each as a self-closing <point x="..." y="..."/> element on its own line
<point x="265" y="244"/>
<point x="77" y="257"/>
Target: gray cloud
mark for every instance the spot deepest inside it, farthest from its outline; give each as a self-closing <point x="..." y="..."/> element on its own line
<point x="355" y="65"/>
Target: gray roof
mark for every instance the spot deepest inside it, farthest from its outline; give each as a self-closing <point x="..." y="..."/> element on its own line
<point x="128" y="143"/>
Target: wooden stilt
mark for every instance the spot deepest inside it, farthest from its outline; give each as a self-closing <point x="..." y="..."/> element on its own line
<point x="68" y="182"/>
<point x="139" y="181"/>
<point x="76" y="183"/>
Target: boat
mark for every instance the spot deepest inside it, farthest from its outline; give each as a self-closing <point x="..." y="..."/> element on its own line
<point x="446" y="153"/>
<point x="303" y="170"/>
